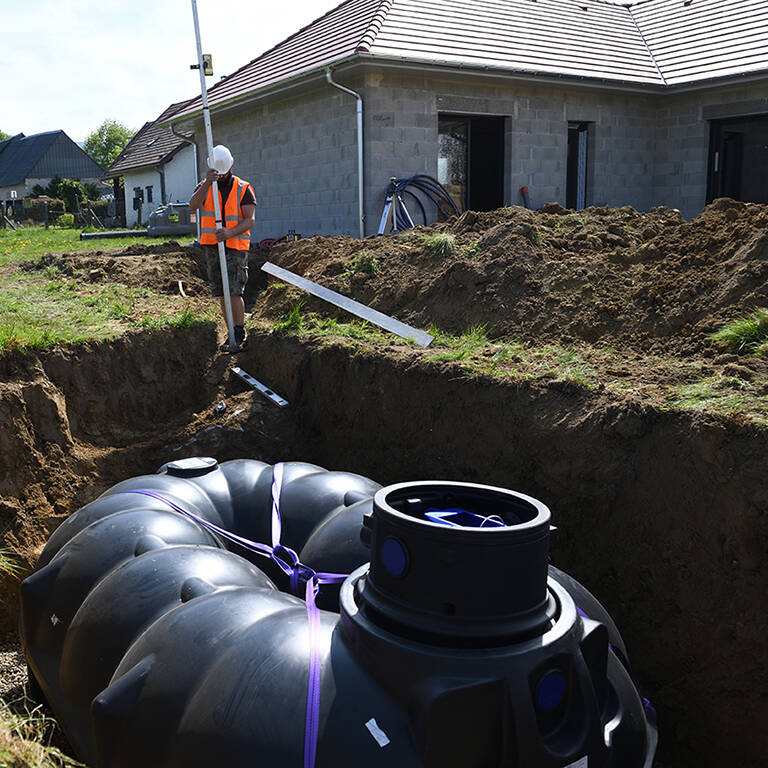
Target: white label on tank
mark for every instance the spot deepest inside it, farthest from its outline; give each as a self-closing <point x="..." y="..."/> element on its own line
<point x="581" y="763"/>
<point x="381" y="738"/>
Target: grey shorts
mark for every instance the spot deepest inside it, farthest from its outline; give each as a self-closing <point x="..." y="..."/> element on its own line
<point x="237" y="270"/>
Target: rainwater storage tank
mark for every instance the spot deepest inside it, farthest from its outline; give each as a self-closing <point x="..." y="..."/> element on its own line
<point x="160" y="641"/>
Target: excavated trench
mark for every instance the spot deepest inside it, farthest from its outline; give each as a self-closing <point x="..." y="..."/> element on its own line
<point x="661" y="515"/>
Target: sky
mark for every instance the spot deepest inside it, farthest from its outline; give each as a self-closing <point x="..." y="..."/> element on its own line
<point x="70" y="64"/>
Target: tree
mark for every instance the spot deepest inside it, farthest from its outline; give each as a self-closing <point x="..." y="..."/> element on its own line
<point x="91" y="190"/>
<point x="4" y="136"/>
<point x="72" y="193"/>
<point x="54" y="186"/>
<point x="107" y="142"/>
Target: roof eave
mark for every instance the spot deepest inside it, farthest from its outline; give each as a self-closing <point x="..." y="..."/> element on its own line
<point x="713" y="82"/>
<point x="132" y="169"/>
<point x="294" y="81"/>
<point x="508" y="73"/>
<point x="452" y="67"/>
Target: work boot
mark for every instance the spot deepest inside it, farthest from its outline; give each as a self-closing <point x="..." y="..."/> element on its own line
<point x="240" y="341"/>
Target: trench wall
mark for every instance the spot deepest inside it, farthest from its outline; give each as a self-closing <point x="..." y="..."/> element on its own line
<point x="663" y="515"/>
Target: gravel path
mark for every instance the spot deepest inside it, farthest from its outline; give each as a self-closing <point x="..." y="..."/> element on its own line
<point x="13" y="672"/>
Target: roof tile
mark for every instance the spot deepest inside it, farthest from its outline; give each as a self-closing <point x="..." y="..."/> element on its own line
<point x="648" y="42"/>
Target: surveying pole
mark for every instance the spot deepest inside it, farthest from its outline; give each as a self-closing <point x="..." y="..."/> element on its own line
<point x="216" y="204"/>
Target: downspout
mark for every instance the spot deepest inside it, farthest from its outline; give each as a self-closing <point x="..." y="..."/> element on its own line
<point x="161" y="173"/>
<point x="360" y="177"/>
<point x="197" y="176"/>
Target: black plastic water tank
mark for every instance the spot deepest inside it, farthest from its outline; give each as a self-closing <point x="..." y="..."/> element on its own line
<point x="456" y="645"/>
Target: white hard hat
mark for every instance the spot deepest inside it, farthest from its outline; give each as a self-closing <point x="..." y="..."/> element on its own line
<point x="222" y="159"/>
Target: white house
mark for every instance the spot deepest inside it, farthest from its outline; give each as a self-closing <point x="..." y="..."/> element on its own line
<point x="157" y="167"/>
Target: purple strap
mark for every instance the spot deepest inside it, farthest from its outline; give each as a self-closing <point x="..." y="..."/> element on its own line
<point x="299" y="574"/>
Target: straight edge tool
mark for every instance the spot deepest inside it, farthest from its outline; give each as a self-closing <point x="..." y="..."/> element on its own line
<point x="355" y="307"/>
<point x="258" y="386"/>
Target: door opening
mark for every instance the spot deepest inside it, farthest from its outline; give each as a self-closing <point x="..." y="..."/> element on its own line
<point x="470" y="161"/>
<point x="738" y="159"/>
<point x="576" y="170"/>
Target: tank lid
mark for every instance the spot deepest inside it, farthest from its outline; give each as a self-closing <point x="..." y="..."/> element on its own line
<point x="194" y="466"/>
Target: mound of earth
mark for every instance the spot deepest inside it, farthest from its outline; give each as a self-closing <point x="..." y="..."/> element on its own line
<point x="612" y="277"/>
<point x="166" y="267"/>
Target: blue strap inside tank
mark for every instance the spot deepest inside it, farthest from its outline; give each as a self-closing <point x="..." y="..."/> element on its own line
<point x="463" y="518"/>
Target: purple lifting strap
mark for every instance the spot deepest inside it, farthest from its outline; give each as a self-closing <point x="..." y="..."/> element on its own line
<point x="288" y="562"/>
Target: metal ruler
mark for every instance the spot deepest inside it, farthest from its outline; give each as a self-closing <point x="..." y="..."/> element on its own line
<point x="355" y="307"/>
<point x="266" y="391"/>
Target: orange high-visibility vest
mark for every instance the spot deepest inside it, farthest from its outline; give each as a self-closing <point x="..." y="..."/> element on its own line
<point x="231" y="214"/>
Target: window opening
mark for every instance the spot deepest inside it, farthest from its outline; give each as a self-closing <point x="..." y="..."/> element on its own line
<point x="149" y="194"/>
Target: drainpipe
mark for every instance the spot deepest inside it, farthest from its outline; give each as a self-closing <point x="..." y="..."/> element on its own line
<point x="197" y="177"/>
<point x="161" y="174"/>
<point x="360" y="177"/>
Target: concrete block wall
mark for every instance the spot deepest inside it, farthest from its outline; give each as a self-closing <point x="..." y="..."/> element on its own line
<point x="682" y="139"/>
<point x="401" y="135"/>
<point x="300" y="151"/>
<point x="300" y="155"/>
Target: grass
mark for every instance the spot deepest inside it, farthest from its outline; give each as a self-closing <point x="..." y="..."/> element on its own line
<point x="184" y="319"/>
<point x="36" y="312"/>
<point x="311" y="325"/>
<point x="515" y="361"/>
<point x="471" y="250"/>
<point x="25" y="739"/>
<point x="30" y="242"/>
<point x="722" y="394"/>
<point x="363" y="263"/>
<point x="746" y="334"/>
<point x="9" y="566"/>
<point x="42" y="308"/>
<point x="294" y="320"/>
<point x="461" y="347"/>
<point x="439" y="244"/>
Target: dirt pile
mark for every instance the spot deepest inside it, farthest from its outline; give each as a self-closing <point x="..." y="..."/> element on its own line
<point x="163" y="267"/>
<point x="605" y="276"/>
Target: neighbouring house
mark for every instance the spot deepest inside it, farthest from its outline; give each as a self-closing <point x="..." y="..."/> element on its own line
<point x="585" y="102"/>
<point x="156" y="166"/>
<point x="29" y="160"/>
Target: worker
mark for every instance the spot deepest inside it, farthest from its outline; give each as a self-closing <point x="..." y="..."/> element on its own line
<point x="237" y="203"/>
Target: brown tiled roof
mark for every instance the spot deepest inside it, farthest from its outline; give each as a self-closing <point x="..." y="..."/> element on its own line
<point x="154" y="144"/>
<point x="705" y="38"/>
<point x="332" y="37"/>
<point x="653" y="43"/>
<point x="557" y="37"/>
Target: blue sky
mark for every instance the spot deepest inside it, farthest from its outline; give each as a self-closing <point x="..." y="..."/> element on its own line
<point x="70" y="64"/>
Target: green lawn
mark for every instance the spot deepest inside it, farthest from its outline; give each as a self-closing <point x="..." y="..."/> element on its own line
<point x="30" y="242"/>
<point x="43" y="307"/>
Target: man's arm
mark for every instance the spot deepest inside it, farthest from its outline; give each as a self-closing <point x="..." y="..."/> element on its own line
<point x="246" y="222"/>
<point x="201" y="190"/>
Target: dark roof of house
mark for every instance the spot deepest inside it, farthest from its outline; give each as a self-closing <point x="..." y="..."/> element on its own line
<point x="20" y="154"/>
<point x="704" y="39"/>
<point x="655" y="43"/>
<point x="153" y="145"/>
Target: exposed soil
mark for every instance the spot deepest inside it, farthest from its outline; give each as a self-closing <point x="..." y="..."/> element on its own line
<point x="639" y="282"/>
<point x="663" y="514"/>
